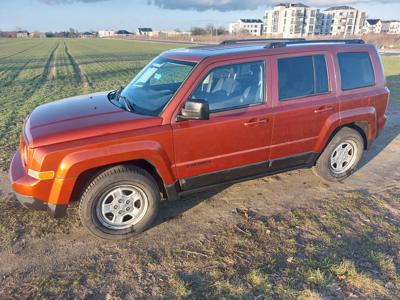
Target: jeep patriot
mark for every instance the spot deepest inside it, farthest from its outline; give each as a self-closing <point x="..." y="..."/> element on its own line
<point x="199" y="117"/>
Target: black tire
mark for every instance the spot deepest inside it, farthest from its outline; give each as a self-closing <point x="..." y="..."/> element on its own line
<point x="93" y="199"/>
<point x="323" y="167"/>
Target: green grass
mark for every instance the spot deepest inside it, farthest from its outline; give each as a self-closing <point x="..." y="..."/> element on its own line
<point x="391" y="66"/>
<point x="33" y="72"/>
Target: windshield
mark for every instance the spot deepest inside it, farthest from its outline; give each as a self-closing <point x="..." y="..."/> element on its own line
<point x="156" y="84"/>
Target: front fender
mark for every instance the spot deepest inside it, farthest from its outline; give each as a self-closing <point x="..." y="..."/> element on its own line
<point x="74" y="164"/>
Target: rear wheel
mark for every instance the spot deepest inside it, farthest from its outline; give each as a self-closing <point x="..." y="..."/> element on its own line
<point x="119" y="203"/>
<point x="341" y="157"/>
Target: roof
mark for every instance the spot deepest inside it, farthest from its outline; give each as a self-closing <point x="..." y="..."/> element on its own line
<point x="372" y="21"/>
<point x="122" y="32"/>
<point x="287" y="5"/>
<point x="196" y="54"/>
<point x="251" y="20"/>
<point x="145" y="29"/>
<point x="339" y="8"/>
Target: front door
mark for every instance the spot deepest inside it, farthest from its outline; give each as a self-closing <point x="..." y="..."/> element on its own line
<point x="233" y="143"/>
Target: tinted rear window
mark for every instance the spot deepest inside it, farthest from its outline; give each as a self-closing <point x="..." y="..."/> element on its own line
<point x="356" y="70"/>
<point x="302" y="76"/>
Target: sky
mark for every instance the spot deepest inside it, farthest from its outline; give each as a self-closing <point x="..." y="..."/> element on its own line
<point x="85" y="15"/>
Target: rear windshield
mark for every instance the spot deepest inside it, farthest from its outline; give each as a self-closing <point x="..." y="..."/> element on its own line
<point x="356" y="70"/>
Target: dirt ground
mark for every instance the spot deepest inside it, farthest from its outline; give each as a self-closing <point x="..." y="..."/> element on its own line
<point x="40" y="257"/>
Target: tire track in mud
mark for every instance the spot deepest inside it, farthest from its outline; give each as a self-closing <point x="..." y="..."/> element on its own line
<point x="44" y="76"/>
<point x="83" y="77"/>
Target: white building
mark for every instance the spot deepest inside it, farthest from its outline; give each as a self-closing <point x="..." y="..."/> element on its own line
<point x="373" y="26"/>
<point x="292" y="20"/>
<point x="394" y="27"/>
<point x="247" y="26"/>
<point x="144" y="31"/>
<point x="343" y="20"/>
<point x="22" y="34"/>
<point x="385" y="26"/>
<point x="106" y="33"/>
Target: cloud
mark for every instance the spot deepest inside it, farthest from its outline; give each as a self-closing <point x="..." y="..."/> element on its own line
<point x="231" y="5"/>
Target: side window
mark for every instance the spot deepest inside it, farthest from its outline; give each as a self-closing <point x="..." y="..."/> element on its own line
<point x="356" y="70"/>
<point x="233" y="86"/>
<point x="302" y="76"/>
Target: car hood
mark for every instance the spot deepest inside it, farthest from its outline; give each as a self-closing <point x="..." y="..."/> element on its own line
<point x="80" y="117"/>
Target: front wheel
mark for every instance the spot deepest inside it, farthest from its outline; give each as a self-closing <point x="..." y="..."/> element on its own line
<point x="119" y="203"/>
<point x="341" y="156"/>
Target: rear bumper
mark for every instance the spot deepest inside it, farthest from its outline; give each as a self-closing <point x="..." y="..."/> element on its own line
<point x="54" y="210"/>
<point x="28" y="189"/>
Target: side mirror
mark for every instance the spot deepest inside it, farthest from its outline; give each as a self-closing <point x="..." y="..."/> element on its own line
<point x="195" y="109"/>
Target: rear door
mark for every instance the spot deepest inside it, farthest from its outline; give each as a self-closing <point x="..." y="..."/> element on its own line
<point x="304" y="97"/>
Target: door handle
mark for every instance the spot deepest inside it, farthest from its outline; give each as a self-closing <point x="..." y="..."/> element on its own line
<point x="254" y="122"/>
<point x="324" y="109"/>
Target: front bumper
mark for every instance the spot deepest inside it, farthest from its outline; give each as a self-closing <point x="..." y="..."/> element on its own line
<point x="54" y="210"/>
<point x="28" y="189"/>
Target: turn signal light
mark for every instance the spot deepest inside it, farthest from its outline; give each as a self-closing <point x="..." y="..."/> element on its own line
<point x="41" y="175"/>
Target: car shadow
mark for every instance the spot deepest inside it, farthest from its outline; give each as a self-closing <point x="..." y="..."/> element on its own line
<point x="174" y="209"/>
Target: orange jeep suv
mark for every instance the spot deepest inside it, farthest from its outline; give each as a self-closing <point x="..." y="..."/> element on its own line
<point x="198" y="117"/>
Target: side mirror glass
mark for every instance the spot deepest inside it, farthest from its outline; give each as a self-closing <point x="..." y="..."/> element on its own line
<point x="195" y="109"/>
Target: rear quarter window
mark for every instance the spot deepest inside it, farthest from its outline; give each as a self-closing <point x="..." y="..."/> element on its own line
<point x="356" y="70"/>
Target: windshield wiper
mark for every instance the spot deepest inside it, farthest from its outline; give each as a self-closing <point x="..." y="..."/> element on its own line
<point x="128" y="105"/>
<point x="116" y="95"/>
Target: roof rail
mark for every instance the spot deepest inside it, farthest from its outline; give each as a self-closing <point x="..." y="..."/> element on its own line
<point x="281" y="44"/>
<point x="228" y="42"/>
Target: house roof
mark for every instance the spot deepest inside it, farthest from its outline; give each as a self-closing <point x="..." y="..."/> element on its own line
<point x="287" y="4"/>
<point x="372" y="21"/>
<point x="145" y="29"/>
<point x="339" y="8"/>
<point x="122" y="32"/>
<point x="251" y="20"/>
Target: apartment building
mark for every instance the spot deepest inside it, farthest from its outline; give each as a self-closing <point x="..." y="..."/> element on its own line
<point x="394" y="27"/>
<point x="292" y="20"/>
<point x="247" y="26"/>
<point x="385" y="26"/>
<point x="343" y="20"/>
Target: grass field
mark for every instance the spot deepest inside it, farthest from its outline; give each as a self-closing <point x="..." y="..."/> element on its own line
<point x="343" y="248"/>
<point x="34" y="72"/>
